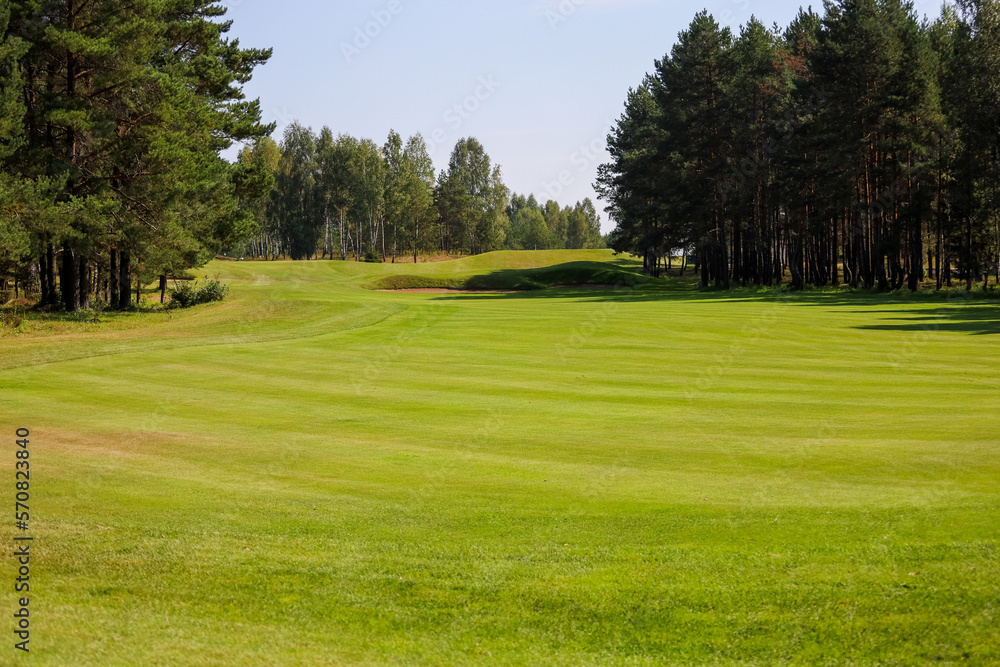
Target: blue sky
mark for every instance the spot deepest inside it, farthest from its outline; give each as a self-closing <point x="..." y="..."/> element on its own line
<point x="538" y="82"/>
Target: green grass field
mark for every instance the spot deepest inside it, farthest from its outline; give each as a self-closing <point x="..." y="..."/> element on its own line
<point x="313" y="472"/>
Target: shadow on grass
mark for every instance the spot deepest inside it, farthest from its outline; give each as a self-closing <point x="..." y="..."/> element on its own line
<point x="570" y="273"/>
<point x="523" y="280"/>
<point x="976" y="313"/>
<point x="89" y="315"/>
<point x="973" y="318"/>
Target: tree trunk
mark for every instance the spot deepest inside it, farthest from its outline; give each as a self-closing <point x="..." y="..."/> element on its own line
<point x="834" y="255"/>
<point x="113" y="287"/>
<point x="996" y="265"/>
<point x="916" y="254"/>
<point x="163" y="288"/>
<point x="968" y="255"/>
<point x="343" y="238"/>
<point x="43" y="278"/>
<point x="50" y="269"/>
<point x="124" y="280"/>
<point x="70" y="280"/>
<point x="84" y="283"/>
<point x="722" y="247"/>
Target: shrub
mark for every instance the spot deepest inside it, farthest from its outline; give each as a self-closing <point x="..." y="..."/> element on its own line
<point x="372" y="256"/>
<point x="13" y="320"/>
<point x="200" y="292"/>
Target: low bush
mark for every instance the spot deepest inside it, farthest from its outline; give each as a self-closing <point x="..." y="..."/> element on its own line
<point x="414" y="282"/>
<point x="205" y="291"/>
<point x="12" y="319"/>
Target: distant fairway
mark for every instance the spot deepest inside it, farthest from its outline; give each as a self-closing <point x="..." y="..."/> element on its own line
<point x="314" y="472"/>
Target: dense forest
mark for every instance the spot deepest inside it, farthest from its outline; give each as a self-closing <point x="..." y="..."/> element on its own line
<point x="861" y="146"/>
<point x="338" y="196"/>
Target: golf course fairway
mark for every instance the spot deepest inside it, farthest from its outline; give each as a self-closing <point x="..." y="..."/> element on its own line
<point x="637" y="473"/>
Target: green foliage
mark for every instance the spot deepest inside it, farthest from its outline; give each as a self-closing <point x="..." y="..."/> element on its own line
<point x="409" y="282"/>
<point x="200" y="291"/>
<point x="346" y="196"/>
<point x="12" y="320"/>
<point x="533" y="227"/>
<point x="295" y="204"/>
<point x="419" y="219"/>
<point x="472" y="200"/>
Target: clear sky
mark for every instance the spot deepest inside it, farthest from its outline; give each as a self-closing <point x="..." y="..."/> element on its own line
<point x="538" y="82"/>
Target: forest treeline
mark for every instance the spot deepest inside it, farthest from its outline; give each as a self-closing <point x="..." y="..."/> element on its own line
<point x="859" y="146"/>
<point x="112" y="119"/>
<point x="339" y="196"/>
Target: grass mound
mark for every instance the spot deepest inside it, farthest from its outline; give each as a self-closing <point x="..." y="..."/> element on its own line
<point x="414" y="282"/>
<point x="528" y="259"/>
<point x="560" y="275"/>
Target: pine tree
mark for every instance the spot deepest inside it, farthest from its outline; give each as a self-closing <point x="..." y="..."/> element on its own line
<point x="974" y="97"/>
<point x="755" y="99"/>
<point x="15" y="202"/>
<point x="639" y="185"/>
<point x="691" y="92"/>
